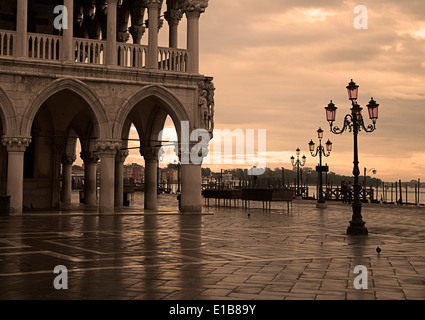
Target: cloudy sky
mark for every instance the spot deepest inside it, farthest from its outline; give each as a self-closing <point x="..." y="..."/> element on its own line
<point x="277" y="63"/>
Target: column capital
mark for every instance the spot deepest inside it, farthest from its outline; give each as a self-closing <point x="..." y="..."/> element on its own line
<point x="17" y="144"/>
<point x="121" y="155"/>
<point x="153" y="3"/>
<point x="193" y="8"/>
<point x="123" y="36"/>
<point x="137" y="32"/>
<point x="193" y="152"/>
<point x="149" y="153"/>
<point x="108" y="147"/>
<point x="68" y="159"/>
<point x="173" y="16"/>
<point x="89" y="156"/>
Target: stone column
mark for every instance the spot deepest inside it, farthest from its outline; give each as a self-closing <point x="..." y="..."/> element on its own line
<point x="67" y="161"/>
<point x="107" y="152"/>
<point x="111" y="33"/>
<point x="90" y="159"/>
<point x="15" y="170"/>
<point x="67" y="47"/>
<point x="119" y="176"/>
<point x="173" y="17"/>
<point x="191" y="193"/>
<point x="193" y="10"/>
<point x="153" y="13"/>
<point x="21" y="28"/>
<point x="58" y="149"/>
<point x="150" y="154"/>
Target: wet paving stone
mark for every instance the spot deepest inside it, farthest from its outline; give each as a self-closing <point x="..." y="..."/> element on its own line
<point x="220" y="254"/>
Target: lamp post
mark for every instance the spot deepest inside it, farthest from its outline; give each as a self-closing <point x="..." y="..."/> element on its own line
<point x="297" y="164"/>
<point x="364" y="181"/>
<point x="320" y="151"/>
<point x="354" y="123"/>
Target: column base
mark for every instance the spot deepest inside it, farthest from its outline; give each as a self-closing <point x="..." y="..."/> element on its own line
<point x="153" y="207"/>
<point x="191" y="208"/>
<point x="14" y="212"/>
<point x="106" y="209"/>
<point x="321" y="205"/>
<point x="357" y="229"/>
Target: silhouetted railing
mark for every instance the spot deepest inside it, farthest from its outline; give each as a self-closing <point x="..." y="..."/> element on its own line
<point x="7" y="43"/>
<point x="92" y="51"/>
<point x="44" y="46"/>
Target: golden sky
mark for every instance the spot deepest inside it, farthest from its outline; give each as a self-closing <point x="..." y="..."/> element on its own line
<point x="277" y="63"/>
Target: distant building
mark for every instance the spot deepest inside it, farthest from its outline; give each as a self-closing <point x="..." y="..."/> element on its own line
<point x="77" y="177"/>
<point x="306" y="170"/>
<point x="134" y="171"/>
<point x="168" y="175"/>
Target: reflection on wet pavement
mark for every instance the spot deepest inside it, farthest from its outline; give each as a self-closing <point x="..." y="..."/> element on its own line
<point x="220" y="254"/>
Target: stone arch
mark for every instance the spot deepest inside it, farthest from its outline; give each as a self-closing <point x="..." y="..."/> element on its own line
<point x="100" y="119"/>
<point x="8" y="115"/>
<point x="166" y="98"/>
<point x="123" y="18"/>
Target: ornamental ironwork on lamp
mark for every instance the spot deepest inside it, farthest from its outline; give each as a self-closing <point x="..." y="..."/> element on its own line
<point x="354" y="122"/>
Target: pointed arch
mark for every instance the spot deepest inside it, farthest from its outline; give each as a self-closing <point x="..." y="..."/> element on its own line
<point x="165" y="98"/>
<point x="100" y="119"/>
<point x="8" y="114"/>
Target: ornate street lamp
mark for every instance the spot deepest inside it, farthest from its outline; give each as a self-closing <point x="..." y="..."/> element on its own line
<point x="364" y="183"/>
<point x="297" y="164"/>
<point x="354" y="123"/>
<point x="320" y="151"/>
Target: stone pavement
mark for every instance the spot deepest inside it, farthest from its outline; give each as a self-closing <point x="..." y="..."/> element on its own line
<point x="222" y="254"/>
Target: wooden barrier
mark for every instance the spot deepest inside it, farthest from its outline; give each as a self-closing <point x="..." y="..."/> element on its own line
<point x="246" y="195"/>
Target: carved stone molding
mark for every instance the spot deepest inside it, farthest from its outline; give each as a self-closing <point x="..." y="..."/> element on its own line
<point x="160" y="23"/>
<point x="16" y="143"/>
<point x="68" y="160"/>
<point x="150" y="153"/>
<point x="193" y="7"/>
<point x="123" y="36"/>
<point x="173" y="16"/>
<point x="187" y="150"/>
<point x="89" y="156"/>
<point x="153" y="3"/>
<point x="108" y="147"/>
<point x="206" y="104"/>
<point x="137" y="33"/>
<point x="121" y="155"/>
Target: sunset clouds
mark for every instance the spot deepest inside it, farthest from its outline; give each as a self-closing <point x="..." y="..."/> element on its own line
<point x="276" y="64"/>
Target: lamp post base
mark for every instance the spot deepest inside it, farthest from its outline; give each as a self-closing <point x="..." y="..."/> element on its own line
<point x="357" y="228"/>
<point x="321" y="205"/>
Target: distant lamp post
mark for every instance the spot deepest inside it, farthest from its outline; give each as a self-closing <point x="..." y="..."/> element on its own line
<point x="364" y="181"/>
<point x="365" y="174"/>
<point x="297" y="164"/>
<point x="354" y="123"/>
<point x="320" y="151"/>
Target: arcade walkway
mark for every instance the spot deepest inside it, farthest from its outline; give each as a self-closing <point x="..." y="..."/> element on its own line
<point x="221" y="254"/>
